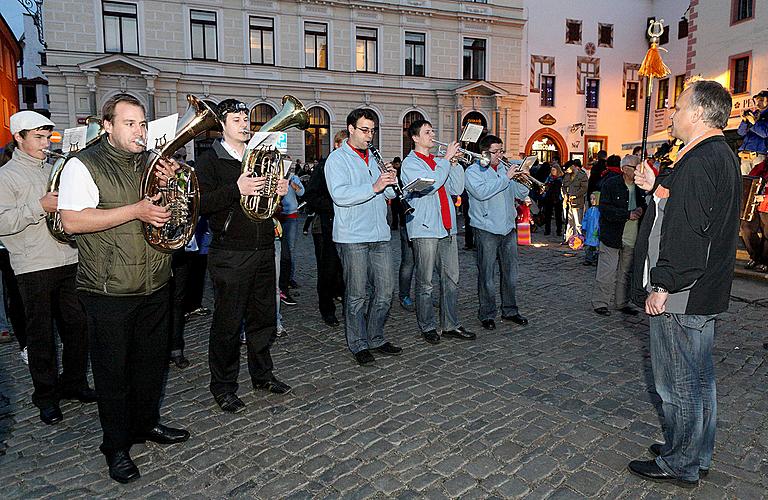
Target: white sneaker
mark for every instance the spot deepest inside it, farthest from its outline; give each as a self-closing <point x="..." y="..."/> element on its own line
<point x="24" y="356"/>
<point x="281" y="330"/>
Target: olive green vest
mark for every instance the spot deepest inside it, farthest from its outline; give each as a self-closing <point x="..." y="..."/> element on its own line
<point x="118" y="261"/>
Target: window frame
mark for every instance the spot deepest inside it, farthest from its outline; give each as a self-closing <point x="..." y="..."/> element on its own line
<point x="582" y="75"/>
<point x="367" y="38"/>
<point x="735" y="10"/>
<point x="636" y="85"/>
<point x="596" y="93"/>
<point x="568" y="31"/>
<point x="548" y="94"/>
<point x="315" y="35"/>
<point x="262" y="30"/>
<point x="732" y="61"/>
<point x="600" y="42"/>
<point x="662" y="94"/>
<point x="204" y="23"/>
<point x="679" y="86"/>
<point x="120" y="16"/>
<point x="474" y="51"/>
<point x="410" y="49"/>
<point x="538" y="64"/>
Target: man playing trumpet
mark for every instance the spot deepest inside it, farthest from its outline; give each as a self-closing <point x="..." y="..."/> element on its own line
<point x="754" y="129"/>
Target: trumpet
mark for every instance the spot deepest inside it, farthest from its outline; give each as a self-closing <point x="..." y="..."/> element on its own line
<point x="521" y="175"/>
<point x="467" y="157"/>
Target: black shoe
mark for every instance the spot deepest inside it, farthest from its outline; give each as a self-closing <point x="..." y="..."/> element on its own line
<point x="488" y="324"/>
<point x="364" y="357"/>
<point x="655" y="450"/>
<point x="121" y="467"/>
<point x="629" y="311"/>
<point x="602" y="311"/>
<point x="761" y="268"/>
<point x="51" y="415"/>
<point x="229" y="402"/>
<point x="750" y="264"/>
<point x="431" y="336"/>
<point x="162" y="434"/>
<point x="274" y="386"/>
<point x="517" y="318"/>
<point x="286" y="298"/>
<point x="389" y="349"/>
<point x="86" y="395"/>
<point x="180" y="361"/>
<point x="460" y="333"/>
<point x="331" y="320"/>
<point x="648" y="469"/>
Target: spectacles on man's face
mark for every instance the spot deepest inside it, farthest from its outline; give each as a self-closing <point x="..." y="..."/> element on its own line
<point x="497" y="151"/>
<point x="366" y="130"/>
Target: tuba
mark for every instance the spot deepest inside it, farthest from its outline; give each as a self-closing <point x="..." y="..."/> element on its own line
<point x="53" y="220"/>
<point x="181" y="194"/>
<point x="268" y="162"/>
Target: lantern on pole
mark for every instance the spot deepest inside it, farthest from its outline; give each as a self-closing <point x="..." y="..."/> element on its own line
<point x="653" y="67"/>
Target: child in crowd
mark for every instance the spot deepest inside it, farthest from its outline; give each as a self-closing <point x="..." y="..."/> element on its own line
<point x="591" y="226"/>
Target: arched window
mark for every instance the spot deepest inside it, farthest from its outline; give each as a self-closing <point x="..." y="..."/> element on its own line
<point x="261" y="114"/>
<point x="317" y="137"/>
<point x="409" y="118"/>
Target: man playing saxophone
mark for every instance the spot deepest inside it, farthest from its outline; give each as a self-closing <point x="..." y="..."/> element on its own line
<point x="241" y="261"/>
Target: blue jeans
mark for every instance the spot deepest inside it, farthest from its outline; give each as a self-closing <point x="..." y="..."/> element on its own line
<point x="490" y="249"/>
<point x="443" y="253"/>
<point x="406" y="264"/>
<point x="684" y="375"/>
<point x="364" y="263"/>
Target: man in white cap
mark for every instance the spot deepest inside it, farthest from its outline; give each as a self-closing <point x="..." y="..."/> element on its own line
<point x="45" y="270"/>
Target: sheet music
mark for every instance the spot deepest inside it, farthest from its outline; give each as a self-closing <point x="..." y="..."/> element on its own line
<point x="161" y="131"/>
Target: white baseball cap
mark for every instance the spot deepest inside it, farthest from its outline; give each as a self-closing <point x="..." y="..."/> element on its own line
<point x="29" y="120"/>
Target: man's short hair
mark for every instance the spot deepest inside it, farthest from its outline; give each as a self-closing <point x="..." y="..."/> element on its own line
<point x="613" y="161"/>
<point x="108" y="110"/>
<point x="488" y="141"/>
<point x="230" y="106"/>
<point x="602" y="154"/>
<point x="714" y="99"/>
<point x="358" y="113"/>
<point x="414" y="128"/>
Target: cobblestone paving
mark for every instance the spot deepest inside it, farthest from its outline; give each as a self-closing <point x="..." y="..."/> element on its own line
<point x="552" y="410"/>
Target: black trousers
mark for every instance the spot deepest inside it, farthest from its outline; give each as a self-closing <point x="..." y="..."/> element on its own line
<point x="330" y="277"/>
<point x="129" y="356"/>
<point x="553" y="208"/>
<point x="193" y="294"/>
<point x="754" y="243"/>
<point x="469" y="235"/>
<point x="244" y="289"/>
<point x="181" y="264"/>
<point x="49" y="296"/>
<point x="13" y="303"/>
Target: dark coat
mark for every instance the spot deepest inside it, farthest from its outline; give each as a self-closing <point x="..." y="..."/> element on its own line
<point x="614" y="209"/>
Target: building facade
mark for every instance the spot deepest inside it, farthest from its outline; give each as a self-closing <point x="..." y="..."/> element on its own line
<point x="446" y="61"/>
<point x="10" y="53"/>
<point x="33" y="86"/>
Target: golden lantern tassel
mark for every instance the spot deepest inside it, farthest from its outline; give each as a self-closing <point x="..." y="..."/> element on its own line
<point x="653" y="66"/>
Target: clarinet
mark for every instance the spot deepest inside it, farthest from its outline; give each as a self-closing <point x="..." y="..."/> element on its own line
<point x="407" y="208"/>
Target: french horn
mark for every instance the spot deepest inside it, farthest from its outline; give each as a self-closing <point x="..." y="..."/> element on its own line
<point x="181" y="192"/>
<point x="268" y="162"/>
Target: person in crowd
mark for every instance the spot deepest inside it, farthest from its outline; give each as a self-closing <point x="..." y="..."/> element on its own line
<point x="359" y="189"/>
<point x="330" y="283"/>
<point x="405" y="271"/>
<point x="492" y="193"/>
<point x="596" y="172"/>
<point x="395" y="207"/>
<point x="754" y="129"/>
<point x="683" y="272"/>
<point x="591" y="226"/>
<point x="552" y="201"/>
<point x="574" y="191"/>
<point x="12" y="302"/>
<point x="240" y="262"/>
<point x="622" y="205"/>
<point x="44" y="270"/>
<point x="289" y="219"/>
<point x="432" y="231"/>
<point x="122" y="282"/>
<point x="753" y="232"/>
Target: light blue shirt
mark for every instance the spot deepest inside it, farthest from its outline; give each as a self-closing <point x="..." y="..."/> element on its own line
<point x="360" y="214"/>
<point x="426" y="221"/>
<point x="289" y="201"/>
<point x="492" y="198"/>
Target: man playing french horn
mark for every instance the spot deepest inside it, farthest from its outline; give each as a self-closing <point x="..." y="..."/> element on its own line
<point x="121" y="282"/>
<point x="241" y="261"/>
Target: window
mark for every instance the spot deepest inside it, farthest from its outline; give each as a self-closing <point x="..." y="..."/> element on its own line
<point x="317" y="137"/>
<point x="605" y="35"/>
<point x="540" y="65"/>
<point x="415" y="48"/>
<point x="121" y="32"/>
<point x="662" y="97"/>
<point x="365" y="51"/>
<point x="586" y="67"/>
<point x="203" y="29"/>
<point x="739" y="69"/>
<point x="742" y="10"/>
<point x="682" y="28"/>
<point x="316" y="45"/>
<point x="573" y="31"/>
<point x="30" y="95"/>
<point x="262" y="34"/>
<point x="679" y="86"/>
<point x="631" y="96"/>
<point x="547" y="90"/>
<point x="474" y="59"/>
<point x="261" y="114"/>
<point x="664" y="38"/>
<point x="409" y="118"/>
<point x="593" y="92"/>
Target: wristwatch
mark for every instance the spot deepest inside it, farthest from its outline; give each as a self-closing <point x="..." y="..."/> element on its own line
<point x="659" y="289"/>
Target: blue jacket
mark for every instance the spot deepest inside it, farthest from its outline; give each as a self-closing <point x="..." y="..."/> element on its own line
<point x="755" y="136"/>
<point x="426" y="220"/>
<point x="289" y="201"/>
<point x="360" y="215"/>
<point x="590" y="225"/>
<point x="492" y="198"/>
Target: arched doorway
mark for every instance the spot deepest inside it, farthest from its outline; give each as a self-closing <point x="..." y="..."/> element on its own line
<point x="317" y="137"/>
<point x="476" y="118"/>
<point x="547" y="144"/>
<point x="409" y="118"/>
<point x="261" y="114"/>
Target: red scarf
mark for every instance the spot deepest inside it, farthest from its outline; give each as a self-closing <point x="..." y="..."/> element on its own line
<point x="363" y="154"/>
<point x="445" y="206"/>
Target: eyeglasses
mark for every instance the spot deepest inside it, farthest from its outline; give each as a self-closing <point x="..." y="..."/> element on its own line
<point x="366" y="130"/>
<point x="499" y="151"/>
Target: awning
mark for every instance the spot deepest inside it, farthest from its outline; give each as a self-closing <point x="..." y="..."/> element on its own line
<point x="654" y="141"/>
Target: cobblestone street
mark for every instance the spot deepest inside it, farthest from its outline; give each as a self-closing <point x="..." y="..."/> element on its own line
<point x="555" y="409"/>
